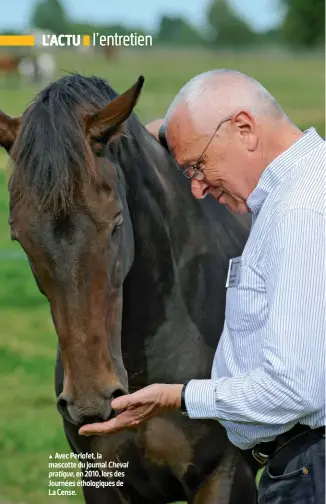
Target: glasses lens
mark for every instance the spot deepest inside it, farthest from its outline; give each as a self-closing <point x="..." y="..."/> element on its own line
<point x="190" y="172"/>
<point x="198" y="175"/>
<point x="194" y="173"/>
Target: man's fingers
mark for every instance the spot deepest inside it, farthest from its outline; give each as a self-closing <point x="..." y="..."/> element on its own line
<point x="90" y="429"/>
<point x="114" y="425"/>
<point x="130" y="400"/>
<point x="122" y="402"/>
<point x="135" y="408"/>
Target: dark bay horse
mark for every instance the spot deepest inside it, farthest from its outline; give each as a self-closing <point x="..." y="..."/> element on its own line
<point x="134" y="270"/>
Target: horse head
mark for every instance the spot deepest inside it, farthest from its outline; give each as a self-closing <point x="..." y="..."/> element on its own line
<point x="68" y="213"/>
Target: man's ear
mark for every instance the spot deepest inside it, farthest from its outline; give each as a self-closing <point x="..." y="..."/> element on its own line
<point x="104" y="123"/>
<point x="9" y="127"/>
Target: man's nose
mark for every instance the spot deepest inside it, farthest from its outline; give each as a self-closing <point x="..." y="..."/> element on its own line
<point x="199" y="188"/>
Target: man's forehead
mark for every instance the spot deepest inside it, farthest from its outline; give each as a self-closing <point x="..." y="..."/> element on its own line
<point x="182" y="137"/>
<point x="179" y="120"/>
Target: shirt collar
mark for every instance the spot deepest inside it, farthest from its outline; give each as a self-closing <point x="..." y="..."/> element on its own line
<point x="277" y="170"/>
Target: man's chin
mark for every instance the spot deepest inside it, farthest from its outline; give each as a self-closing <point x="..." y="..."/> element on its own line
<point x="232" y="204"/>
<point x="237" y="210"/>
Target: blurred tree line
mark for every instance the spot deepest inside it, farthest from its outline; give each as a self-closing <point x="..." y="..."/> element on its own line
<point x="304" y="23"/>
<point x="302" y="26"/>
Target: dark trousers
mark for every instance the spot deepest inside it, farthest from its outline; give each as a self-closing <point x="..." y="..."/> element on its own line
<point x="296" y="474"/>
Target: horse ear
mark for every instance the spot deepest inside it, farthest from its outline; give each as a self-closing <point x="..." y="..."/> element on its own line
<point x="104" y="123"/>
<point x="9" y="127"/>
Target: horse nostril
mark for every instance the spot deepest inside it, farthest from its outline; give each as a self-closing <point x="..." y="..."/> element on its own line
<point x="63" y="402"/>
<point x="109" y="394"/>
<point x="118" y="393"/>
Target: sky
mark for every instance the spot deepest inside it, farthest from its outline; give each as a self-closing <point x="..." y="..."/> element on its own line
<point x="261" y="14"/>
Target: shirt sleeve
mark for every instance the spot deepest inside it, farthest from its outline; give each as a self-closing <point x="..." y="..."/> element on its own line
<point x="290" y="382"/>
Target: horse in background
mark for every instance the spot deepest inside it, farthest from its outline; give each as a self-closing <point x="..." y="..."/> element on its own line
<point x="134" y="270"/>
<point x="36" y="68"/>
<point x="9" y="65"/>
<point x="110" y="53"/>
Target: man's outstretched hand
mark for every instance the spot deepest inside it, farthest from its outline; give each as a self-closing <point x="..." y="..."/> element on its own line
<point x="154" y="126"/>
<point x="137" y="408"/>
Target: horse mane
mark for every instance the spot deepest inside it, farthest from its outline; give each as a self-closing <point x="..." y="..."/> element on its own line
<point x="52" y="158"/>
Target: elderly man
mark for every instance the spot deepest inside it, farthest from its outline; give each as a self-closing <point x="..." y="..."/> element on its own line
<point x="235" y="142"/>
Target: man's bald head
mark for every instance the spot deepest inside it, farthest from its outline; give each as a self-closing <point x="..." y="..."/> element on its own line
<point x="223" y="129"/>
<point x="214" y="95"/>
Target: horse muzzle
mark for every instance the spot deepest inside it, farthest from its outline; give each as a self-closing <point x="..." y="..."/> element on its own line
<point x="90" y="408"/>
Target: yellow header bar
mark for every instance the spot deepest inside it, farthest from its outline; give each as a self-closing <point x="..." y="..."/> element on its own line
<point x="16" y="40"/>
<point x="86" y="40"/>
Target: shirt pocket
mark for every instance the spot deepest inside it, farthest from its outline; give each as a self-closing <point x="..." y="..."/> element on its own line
<point x="246" y="303"/>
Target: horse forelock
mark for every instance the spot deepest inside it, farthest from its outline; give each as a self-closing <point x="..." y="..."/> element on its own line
<point x="52" y="157"/>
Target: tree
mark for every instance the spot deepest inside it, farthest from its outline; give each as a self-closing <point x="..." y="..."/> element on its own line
<point x="228" y="28"/>
<point x="177" y="31"/>
<point x="50" y="15"/>
<point x="304" y="22"/>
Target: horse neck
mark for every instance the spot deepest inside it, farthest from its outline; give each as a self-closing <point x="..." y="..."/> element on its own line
<point x="152" y="285"/>
<point x="159" y="198"/>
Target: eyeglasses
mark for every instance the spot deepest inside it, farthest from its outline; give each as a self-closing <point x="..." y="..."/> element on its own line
<point x="193" y="172"/>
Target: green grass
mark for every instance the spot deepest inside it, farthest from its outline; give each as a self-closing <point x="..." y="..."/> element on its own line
<point x="30" y="427"/>
<point x="297" y="82"/>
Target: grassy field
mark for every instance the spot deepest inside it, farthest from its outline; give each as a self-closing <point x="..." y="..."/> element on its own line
<point x="30" y="427"/>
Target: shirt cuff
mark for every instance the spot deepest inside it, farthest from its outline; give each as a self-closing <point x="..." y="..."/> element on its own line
<point x="200" y="399"/>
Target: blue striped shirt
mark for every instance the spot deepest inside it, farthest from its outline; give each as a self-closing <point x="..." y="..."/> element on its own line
<point x="269" y="368"/>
